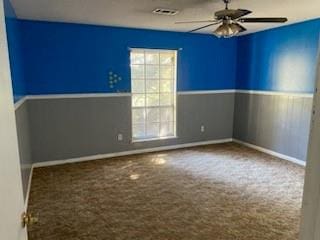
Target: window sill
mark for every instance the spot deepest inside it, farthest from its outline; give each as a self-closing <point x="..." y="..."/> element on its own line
<point x="152" y="139"/>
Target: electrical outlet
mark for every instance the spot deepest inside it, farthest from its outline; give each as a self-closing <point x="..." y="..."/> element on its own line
<point x="202" y="128"/>
<point x="120" y="137"/>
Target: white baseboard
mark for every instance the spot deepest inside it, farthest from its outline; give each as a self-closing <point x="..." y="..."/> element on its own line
<point x="163" y="148"/>
<point x="26" y="201"/>
<point x="125" y="153"/>
<point x="270" y="152"/>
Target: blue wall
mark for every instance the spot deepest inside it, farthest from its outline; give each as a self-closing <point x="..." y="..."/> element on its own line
<point x="281" y="59"/>
<point x="15" y="51"/>
<point x="74" y="58"/>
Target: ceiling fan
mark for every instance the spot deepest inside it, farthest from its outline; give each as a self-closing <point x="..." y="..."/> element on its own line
<point x="230" y="20"/>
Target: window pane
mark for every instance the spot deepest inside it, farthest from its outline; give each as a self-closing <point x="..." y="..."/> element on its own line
<point x="152" y="86"/>
<point x="152" y="72"/>
<point x="153" y="130"/>
<point x="166" y="72"/>
<point x="167" y="114"/>
<point x="138" y="100"/>
<point x="138" y="86"/>
<point x="167" y="58"/>
<point x="153" y="114"/>
<point x="152" y="58"/>
<point x="166" y="86"/>
<point x="152" y="100"/>
<point x="166" y="99"/>
<point x="137" y="71"/>
<point x="153" y="93"/>
<point x="138" y="131"/>
<point x="138" y="115"/>
<point x="137" y="58"/>
<point x="167" y="129"/>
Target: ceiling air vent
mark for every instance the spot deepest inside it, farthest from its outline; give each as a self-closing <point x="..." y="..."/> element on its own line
<point x="165" y="11"/>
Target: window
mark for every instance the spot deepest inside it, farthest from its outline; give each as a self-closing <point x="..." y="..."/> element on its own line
<point x="153" y="85"/>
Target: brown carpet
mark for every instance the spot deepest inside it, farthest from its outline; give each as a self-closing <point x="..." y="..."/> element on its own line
<point x="218" y="192"/>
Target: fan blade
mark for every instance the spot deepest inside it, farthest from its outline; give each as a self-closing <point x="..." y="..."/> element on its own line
<point x="201" y="21"/>
<point x="209" y="25"/>
<point x="232" y="13"/>
<point x="242" y="28"/>
<point x="263" y="20"/>
<point x="240" y="13"/>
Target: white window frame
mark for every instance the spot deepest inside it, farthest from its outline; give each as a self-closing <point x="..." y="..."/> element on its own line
<point x="174" y="93"/>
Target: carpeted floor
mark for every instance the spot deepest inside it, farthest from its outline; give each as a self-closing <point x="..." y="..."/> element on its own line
<point x="218" y="192"/>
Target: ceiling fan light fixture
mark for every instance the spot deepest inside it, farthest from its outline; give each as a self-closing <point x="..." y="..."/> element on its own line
<point x="227" y="30"/>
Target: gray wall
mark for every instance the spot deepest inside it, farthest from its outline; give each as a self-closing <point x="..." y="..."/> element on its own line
<point x="76" y="127"/>
<point x="56" y="129"/>
<point x="22" y="122"/>
<point x="276" y="122"/>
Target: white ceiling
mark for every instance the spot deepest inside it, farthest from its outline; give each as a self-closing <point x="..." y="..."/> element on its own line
<point x="137" y="13"/>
